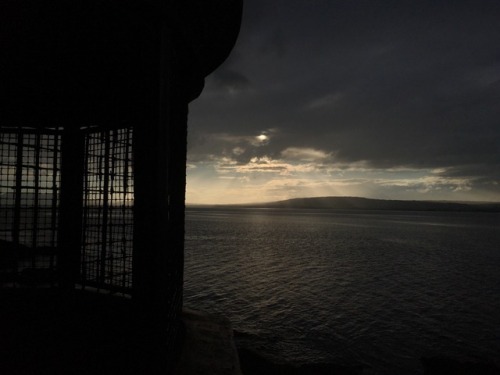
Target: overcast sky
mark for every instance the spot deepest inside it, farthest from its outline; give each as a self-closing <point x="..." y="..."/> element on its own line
<point x="377" y="98"/>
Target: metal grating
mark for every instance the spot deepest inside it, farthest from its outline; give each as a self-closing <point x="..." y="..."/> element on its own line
<point x="29" y="191"/>
<point x="108" y="194"/>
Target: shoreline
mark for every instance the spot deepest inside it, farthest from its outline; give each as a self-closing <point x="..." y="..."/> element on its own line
<point x="254" y="363"/>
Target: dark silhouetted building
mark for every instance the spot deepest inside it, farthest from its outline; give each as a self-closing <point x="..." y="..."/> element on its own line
<point x="93" y="121"/>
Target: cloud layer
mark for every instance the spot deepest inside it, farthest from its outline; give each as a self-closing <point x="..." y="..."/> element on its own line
<point x="322" y="97"/>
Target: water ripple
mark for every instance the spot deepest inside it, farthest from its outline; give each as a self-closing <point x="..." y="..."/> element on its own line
<point x="380" y="290"/>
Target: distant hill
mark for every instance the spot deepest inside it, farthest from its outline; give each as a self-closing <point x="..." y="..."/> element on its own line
<point x="356" y="203"/>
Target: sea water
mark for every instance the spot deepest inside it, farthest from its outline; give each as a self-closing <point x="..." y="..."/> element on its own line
<point x="374" y="288"/>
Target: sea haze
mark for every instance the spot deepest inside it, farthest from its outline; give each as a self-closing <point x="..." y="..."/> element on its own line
<point x="376" y="288"/>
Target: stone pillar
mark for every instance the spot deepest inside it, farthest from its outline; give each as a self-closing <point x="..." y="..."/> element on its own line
<point x="159" y="188"/>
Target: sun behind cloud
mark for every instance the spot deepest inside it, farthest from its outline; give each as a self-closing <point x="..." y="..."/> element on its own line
<point x="262" y="137"/>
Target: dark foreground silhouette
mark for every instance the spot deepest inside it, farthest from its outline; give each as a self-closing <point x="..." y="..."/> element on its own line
<point x="44" y="332"/>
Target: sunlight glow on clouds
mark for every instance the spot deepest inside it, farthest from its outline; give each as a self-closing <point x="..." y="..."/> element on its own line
<point x="306" y="172"/>
<point x="254" y="168"/>
<point x="309" y="154"/>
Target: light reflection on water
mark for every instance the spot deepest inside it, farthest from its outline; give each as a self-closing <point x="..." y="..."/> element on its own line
<point x="379" y="289"/>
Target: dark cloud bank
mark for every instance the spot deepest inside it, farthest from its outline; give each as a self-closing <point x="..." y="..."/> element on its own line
<point x="413" y="84"/>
